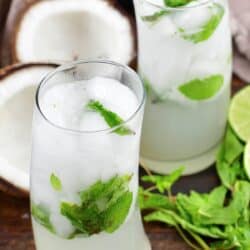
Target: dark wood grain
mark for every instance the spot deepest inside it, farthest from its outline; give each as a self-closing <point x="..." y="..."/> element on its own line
<point x="15" y="226"/>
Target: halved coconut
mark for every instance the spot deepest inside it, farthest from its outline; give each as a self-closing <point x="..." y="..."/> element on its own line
<point x="63" y="30"/>
<point x="18" y="84"/>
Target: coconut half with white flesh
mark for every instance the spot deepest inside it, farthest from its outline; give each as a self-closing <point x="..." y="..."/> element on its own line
<point x="63" y="30"/>
<point x="18" y="85"/>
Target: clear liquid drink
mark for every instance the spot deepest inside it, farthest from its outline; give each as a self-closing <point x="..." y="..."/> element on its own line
<point x="85" y="153"/>
<point x="185" y="61"/>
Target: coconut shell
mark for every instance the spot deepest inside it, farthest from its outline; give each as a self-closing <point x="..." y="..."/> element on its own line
<point x="17" y="8"/>
<point x="4" y="72"/>
<point x="16" y="13"/>
<point x="126" y="7"/>
<point x="127" y="4"/>
<point x="12" y="190"/>
<point x="4" y="9"/>
<point x="6" y="186"/>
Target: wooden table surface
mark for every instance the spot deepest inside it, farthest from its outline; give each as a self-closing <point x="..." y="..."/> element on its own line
<point x="15" y="225"/>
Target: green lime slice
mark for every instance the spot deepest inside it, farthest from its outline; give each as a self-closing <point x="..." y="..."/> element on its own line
<point x="239" y="114"/>
<point x="247" y="159"/>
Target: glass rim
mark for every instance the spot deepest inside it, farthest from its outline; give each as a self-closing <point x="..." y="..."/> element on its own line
<point x="181" y="8"/>
<point x="71" y="65"/>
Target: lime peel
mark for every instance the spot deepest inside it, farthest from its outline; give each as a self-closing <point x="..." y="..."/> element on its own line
<point x="247" y="159"/>
<point x="239" y="114"/>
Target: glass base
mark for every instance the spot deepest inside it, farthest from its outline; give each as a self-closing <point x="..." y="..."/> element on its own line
<point x="130" y="236"/>
<point x="192" y="165"/>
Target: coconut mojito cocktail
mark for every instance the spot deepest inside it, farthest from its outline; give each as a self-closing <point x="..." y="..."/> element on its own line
<point x="185" y="62"/>
<point x="84" y="175"/>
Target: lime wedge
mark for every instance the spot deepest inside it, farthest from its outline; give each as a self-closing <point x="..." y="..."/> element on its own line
<point x="247" y="159"/>
<point x="239" y="114"/>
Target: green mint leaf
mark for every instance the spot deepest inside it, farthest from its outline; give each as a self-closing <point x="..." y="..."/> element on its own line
<point x="149" y="200"/>
<point x="207" y="209"/>
<point x="55" y="182"/>
<point x="208" y="29"/>
<point x="120" y="187"/>
<point x="86" y="219"/>
<point x="176" y="3"/>
<point x="106" y="190"/>
<point x="228" y="173"/>
<point x="170" y="217"/>
<point x="238" y="238"/>
<point x="117" y="212"/>
<point x="228" y="164"/>
<point x="184" y="214"/>
<point x="154" y="18"/>
<point x="202" y="89"/>
<point x="241" y="198"/>
<point x="164" y="183"/>
<point x="232" y="146"/>
<point x="104" y="207"/>
<point x="111" y="118"/>
<point x="42" y="216"/>
<point x="241" y="237"/>
<point x="227" y="177"/>
<point x="219" y="216"/>
<point x="217" y="196"/>
<point x="224" y="244"/>
<point x="161" y="217"/>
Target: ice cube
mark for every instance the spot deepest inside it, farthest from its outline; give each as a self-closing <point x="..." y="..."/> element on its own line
<point x="115" y="96"/>
<point x="62" y="225"/>
<point x="191" y="20"/>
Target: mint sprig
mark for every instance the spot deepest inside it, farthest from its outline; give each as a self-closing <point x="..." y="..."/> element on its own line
<point x="155" y="17"/>
<point x="116" y="213"/>
<point x="55" y="182"/>
<point x="202" y="89"/>
<point x="164" y="183"/>
<point x="222" y="215"/>
<point x="104" y="207"/>
<point x="111" y="118"/>
<point x="208" y="29"/>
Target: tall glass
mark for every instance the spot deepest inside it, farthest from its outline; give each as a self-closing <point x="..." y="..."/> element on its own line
<point x="185" y="61"/>
<point x="84" y="184"/>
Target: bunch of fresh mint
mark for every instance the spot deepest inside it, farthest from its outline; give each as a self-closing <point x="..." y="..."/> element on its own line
<point x="218" y="220"/>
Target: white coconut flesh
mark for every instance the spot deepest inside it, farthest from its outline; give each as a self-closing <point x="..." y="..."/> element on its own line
<point x="63" y="30"/>
<point x="17" y="95"/>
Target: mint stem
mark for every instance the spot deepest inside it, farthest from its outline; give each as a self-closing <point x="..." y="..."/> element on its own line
<point x="151" y="189"/>
<point x="147" y="170"/>
<point x="199" y="240"/>
<point x="183" y="236"/>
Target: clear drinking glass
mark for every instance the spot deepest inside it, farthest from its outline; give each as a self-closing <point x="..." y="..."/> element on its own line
<point x="84" y="183"/>
<point x="185" y="61"/>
